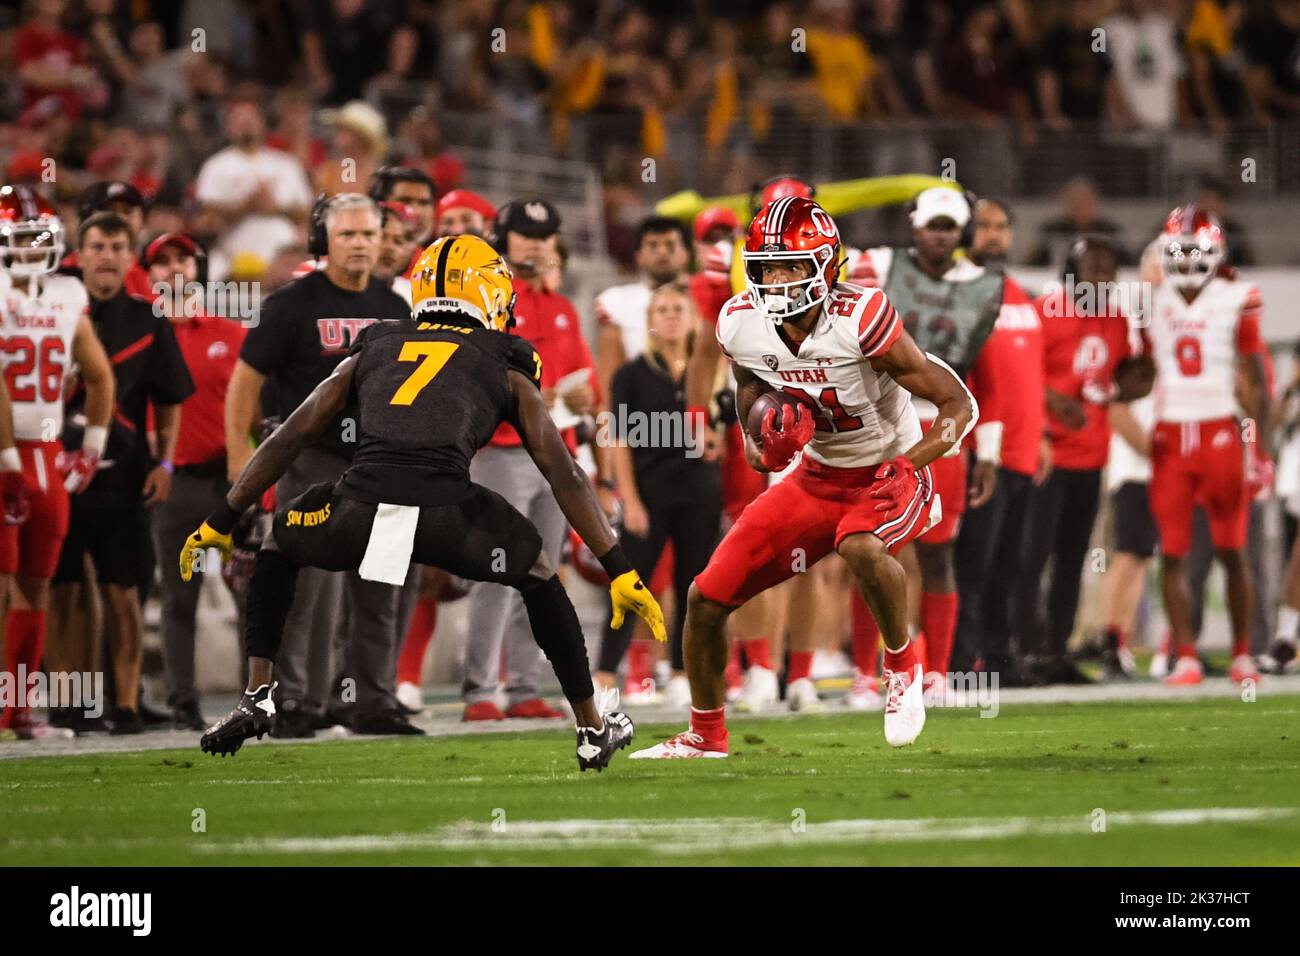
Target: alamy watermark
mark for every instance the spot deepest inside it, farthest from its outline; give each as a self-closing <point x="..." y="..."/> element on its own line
<point x="74" y="690"/>
<point x="231" y="300"/>
<point x="637" y="429"/>
<point x="1133" y="299"/>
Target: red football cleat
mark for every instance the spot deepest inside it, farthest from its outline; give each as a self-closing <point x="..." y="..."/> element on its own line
<point x="534" y="708"/>
<point x="483" y="710"/>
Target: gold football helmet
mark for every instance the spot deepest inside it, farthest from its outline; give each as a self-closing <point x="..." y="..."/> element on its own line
<point x="463" y="274"/>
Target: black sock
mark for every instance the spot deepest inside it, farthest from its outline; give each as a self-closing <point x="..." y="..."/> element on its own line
<point x="557" y="632"/>
<point x="270" y="596"/>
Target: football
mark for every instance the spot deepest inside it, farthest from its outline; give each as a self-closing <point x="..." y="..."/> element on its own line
<point x="778" y="400"/>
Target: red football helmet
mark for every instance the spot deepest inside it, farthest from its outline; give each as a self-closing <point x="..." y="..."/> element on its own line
<point x="31" y="236"/>
<point x="1192" y="247"/>
<point x="789" y="230"/>
<point x="778" y="187"/>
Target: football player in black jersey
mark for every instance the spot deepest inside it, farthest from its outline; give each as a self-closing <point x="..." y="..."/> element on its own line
<point x="429" y="393"/>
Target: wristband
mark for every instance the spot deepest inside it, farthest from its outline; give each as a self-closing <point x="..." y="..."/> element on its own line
<point x="167" y="466"/>
<point x="615" y="562"/>
<point x="95" y="439"/>
<point x="607" y="484"/>
<point x="223" y="518"/>
<point x="10" y="460"/>
<point x="988" y="442"/>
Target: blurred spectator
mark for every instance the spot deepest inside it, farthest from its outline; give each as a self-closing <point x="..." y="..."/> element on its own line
<point x="1142" y="42"/>
<point x="1271" y="41"/>
<point x="782" y="76"/>
<point x="1074" y="80"/>
<point x="357" y="146"/>
<point x="905" y="75"/>
<point x="982" y="70"/>
<point x="843" y="65"/>
<point x="258" y="192"/>
<point x="209" y="346"/>
<point x="396" y="247"/>
<point x="1078" y="216"/>
<point x="1216" y="65"/>
<point x="292" y="132"/>
<point x="160" y="82"/>
<point x="52" y="62"/>
<point x="419" y="141"/>
<point x="348" y="43"/>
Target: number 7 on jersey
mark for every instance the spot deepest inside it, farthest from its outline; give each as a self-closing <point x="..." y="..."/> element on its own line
<point x="432" y="356"/>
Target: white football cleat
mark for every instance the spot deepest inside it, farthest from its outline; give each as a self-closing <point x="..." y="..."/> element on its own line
<point x="760" y="689"/>
<point x="1160" y="661"/>
<point x="904" y="706"/>
<point x="801" y="696"/>
<point x="865" y="693"/>
<point x="677" y="694"/>
<point x="685" y="745"/>
<point x="409" y="696"/>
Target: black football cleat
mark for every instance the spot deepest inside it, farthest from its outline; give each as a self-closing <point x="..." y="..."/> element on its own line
<point x="595" y="748"/>
<point x="250" y="718"/>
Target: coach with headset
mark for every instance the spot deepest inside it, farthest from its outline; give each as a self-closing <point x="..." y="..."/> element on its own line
<point x="305" y="329"/>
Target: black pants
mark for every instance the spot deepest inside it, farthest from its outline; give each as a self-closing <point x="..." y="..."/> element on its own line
<point x="1058" y="527"/>
<point x="988" y="554"/>
<point x="692" y="526"/>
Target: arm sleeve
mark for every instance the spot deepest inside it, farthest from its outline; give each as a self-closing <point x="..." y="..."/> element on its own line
<point x="878" y="325"/>
<point x="1249" y="339"/>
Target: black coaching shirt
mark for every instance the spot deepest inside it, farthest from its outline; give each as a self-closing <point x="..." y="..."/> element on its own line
<point x="305" y="329"/>
<point x="429" y="397"/>
<point x="148" y="367"/>
<point x="645" y="388"/>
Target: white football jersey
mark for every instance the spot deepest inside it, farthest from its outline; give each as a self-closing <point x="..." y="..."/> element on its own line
<point x="864" y="417"/>
<point x="1196" y="345"/>
<point x="37" y="352"/>
<point x="628" y="308"/>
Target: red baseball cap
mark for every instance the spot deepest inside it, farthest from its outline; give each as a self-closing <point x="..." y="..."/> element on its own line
<point x="170" y="239"/>
<point x="715" y="217"/>
<point x="464" y="198"/>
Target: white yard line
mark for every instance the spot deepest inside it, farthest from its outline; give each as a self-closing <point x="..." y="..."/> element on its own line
<point x="694" y="836"/>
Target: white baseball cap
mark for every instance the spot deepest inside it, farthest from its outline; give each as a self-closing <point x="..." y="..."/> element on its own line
<point x="940" y="201"/>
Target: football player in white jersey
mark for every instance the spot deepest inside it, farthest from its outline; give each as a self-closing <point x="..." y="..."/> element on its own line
<point x="862" y="489"/>
<point x="47" y="331"/>
<point x="1204" y="334"/>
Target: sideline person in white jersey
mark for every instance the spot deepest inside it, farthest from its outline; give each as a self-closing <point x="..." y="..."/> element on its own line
<point x="46" y="334"/>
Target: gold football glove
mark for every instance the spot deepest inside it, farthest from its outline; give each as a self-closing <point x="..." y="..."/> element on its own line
<point x="627" y="593"/>
<point x="199" y="542"/>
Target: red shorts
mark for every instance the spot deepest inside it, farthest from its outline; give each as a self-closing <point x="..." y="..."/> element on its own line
<point x="33" y="546"/>
<point x="796" y="523"/>
<point x="950" y="482"/>
<point x="1198" y="463"/>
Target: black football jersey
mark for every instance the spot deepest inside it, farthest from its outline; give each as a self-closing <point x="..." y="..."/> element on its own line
<point x="428" y="396"/>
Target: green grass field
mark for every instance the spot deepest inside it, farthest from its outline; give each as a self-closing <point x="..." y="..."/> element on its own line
<point x="1186" y="783"/>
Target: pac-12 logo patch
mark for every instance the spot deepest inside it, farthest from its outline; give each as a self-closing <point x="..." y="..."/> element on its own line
<point x="770" y="361"/>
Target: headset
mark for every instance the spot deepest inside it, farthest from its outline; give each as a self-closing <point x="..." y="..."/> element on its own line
<point x="318" y="242"/>
<point x="498" y="238"/>
<point x="1081" y="244"/>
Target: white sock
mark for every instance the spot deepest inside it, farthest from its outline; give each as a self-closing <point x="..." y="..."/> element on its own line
<point x="1288" y="623"/>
